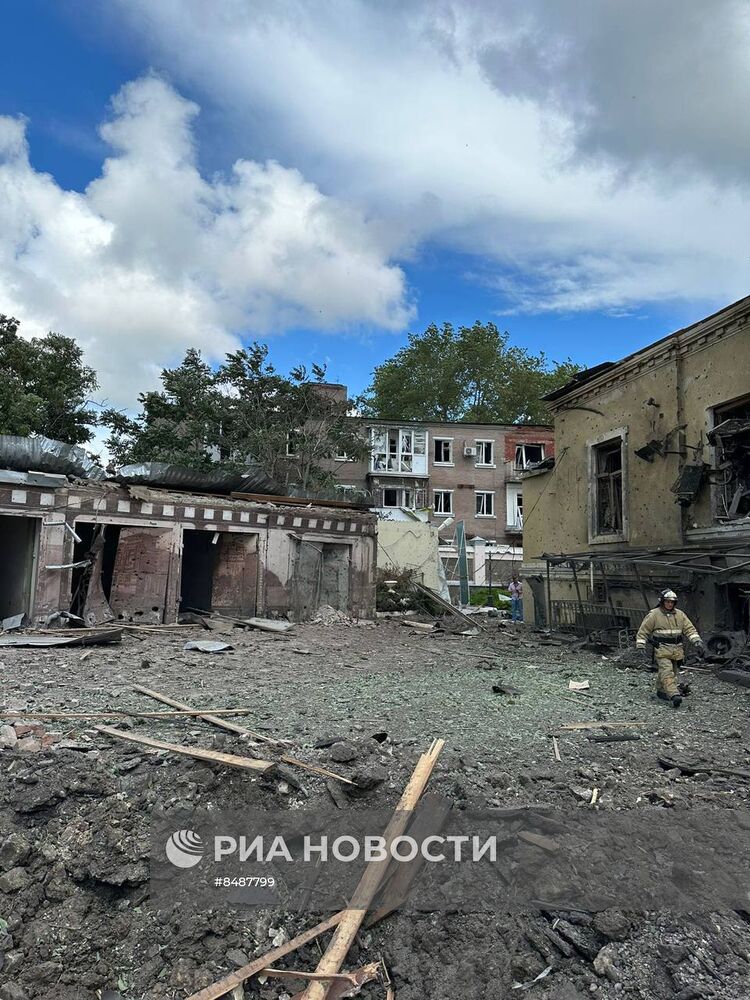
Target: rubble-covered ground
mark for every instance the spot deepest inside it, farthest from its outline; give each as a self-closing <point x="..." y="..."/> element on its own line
<point x="75" y="806"/>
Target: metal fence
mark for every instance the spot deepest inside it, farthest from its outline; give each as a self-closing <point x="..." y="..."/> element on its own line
<point x="585" y="617"/>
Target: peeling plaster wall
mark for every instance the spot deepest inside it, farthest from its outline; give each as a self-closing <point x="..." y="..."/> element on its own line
<point x="676" y="381"/>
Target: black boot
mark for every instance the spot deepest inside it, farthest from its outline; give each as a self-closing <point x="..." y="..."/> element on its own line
<point x="660" y="694"/>
<point x="676" y="700"/>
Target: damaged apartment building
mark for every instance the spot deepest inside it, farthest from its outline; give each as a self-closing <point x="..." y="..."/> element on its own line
<point x="449" y="472"/>
<point x="649" y="488"/>
<point x="155" y="541"/>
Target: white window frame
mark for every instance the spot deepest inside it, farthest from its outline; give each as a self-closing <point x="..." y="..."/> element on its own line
<point x="409" y="457"/>
<point x="484" y="493"/>
<point x="513" y="492"/>
<point x="522" y="445"/>
<point x="443" y="494"/>
<point x="449" y="442"/>
<point x="591" y="447"/>
<point x="480" y="442"/>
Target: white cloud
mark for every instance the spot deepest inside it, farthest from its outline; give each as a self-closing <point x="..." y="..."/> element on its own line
<point x="152" y="257"/>
<point x="594" y="155"/>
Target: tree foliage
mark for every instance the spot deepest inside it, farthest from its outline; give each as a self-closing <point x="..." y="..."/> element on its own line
<point x="471" y="373"/>
<point x="45" y="386"/>
<point x="293" y="426"/>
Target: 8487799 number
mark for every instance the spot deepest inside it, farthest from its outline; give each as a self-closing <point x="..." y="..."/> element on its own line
<point x="259" y="881"/>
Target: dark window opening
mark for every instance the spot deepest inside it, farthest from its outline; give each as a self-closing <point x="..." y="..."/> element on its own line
<point x="529" y="454"/>
<point x="17" y="539"/>
<point x="609" y="507"/>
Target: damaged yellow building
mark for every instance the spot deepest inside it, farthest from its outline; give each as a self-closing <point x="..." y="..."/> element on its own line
<point x="650" y="486"/>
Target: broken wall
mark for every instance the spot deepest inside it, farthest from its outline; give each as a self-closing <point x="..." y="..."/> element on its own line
<point x="411" y="545"/>
<point x="254" y="567"/>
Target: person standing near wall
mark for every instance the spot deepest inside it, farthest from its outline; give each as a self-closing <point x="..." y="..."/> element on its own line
<point x="515" y="589"/>
<point x="664" y="628"/>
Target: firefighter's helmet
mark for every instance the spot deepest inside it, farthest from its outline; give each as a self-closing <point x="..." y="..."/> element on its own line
<point x="667" y="595"/>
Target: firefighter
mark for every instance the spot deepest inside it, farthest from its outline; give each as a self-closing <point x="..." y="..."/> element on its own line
<point x="664" y="628"/>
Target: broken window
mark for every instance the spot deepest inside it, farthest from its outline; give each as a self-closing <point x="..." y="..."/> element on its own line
<point x="528" y="454"/>
<point x="398" y="497"/>
<point x="514" y="508"/>
<point x="443" y="501"/>
<point x="485" y="503"/>
<point x="608" y="488"/>
<point x="731" y="439"/>
<point x="398" y="449"/>
<point x="485" y="452"/>
<point x="443" y="451"/>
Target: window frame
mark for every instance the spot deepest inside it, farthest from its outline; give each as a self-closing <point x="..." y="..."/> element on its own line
<point x="594" y="446"/>
<point x="512" y="492"/>
<point x="522" y="446"/>
<point x="394" y="457"/>
<point x="484" y="493"/>
<point x="479" y="442"/>
<point x="443" y="462"/>
<point x="401" y="492"/>
<point x="443" y="493"/>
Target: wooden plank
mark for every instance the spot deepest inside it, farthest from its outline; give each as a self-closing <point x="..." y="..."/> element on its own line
<point x="235" y="979"/>
<point x="232" y="727"/>
<point x="199" y="753"/>
<point x="600" y="725"/>
<point x="346" y="930"/>
<point x="556" y="748"/>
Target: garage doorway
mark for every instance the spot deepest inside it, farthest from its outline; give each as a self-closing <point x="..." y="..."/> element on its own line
<point x="18" y="545"/>
<point x="321" y="577"/>
<point x="219" y="572"/>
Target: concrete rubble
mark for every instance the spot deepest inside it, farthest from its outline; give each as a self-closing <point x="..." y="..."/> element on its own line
<point x="361" y="705"/>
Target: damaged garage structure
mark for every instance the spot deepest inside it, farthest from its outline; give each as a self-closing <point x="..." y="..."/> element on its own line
<point x="160" y="541"/>
<point x="650" y="487"/>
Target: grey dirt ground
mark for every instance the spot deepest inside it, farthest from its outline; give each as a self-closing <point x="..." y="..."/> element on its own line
<point x="75" y="818"/>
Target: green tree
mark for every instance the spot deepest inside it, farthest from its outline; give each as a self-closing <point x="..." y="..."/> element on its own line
<point x="180" y="424"/>
<point x="293" y="426"/>
<point x="45" y="386"/>
<point x="471" y="373"/>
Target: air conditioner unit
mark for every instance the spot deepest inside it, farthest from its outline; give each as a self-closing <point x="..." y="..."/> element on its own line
<point x="470" y="452"/>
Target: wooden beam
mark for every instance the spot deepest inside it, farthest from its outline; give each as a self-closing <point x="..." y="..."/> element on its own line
<point x="232" y="727"/>
<point x="199" y="753"/>
<point x="346" y="930"/>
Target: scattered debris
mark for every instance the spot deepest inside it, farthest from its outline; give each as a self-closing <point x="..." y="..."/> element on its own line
<point x="556" y="748"/>
<point x="690" y="769"/>
<point x="504" y="689"/>
<point x="578" y="685"/>
<point x="268" y="624"/>
<point x="612" y="737"/>
<point x="207" y="646"/>
<point x="83" y="637"/>
<point x="530" y="983"/>
<point x="14" y="622"/>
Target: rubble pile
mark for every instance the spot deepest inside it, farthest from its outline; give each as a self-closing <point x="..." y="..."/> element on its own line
<point x="75" y="813"/>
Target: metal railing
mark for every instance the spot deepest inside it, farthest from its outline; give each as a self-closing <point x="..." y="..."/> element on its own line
<point x="586" y="616"/>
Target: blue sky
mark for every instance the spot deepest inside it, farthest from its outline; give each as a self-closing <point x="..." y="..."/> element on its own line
<point x="400" y="165"/>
